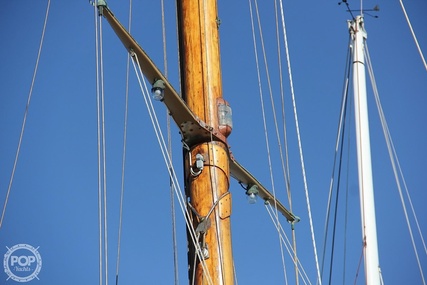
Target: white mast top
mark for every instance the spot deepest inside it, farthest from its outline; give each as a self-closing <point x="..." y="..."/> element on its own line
<point x="366" y="189"/>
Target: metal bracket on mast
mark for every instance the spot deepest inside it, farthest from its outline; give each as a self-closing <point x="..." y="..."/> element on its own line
<point x="239" y="173"/>
<point x="192" y="128"/>
<point x="101" y="4"/>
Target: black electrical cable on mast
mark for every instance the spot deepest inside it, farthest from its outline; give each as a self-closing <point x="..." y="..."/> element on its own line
<point x="338" y="189"/>
<point x="340" y="129"/>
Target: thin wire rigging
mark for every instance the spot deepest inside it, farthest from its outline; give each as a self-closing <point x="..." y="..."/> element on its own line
<point x="346" y="199"/>
<point x="169" y="165"/>
<point x="267" y="141"/>
<point x="104" y="158"/>
<point x="299" y="143"/>
<point x="395" y="165"/>
<point x="413" y="34"/>
<point x="102" y="161"/>
<point x="286" y="170"/>
<point x="169" y="150"/>
<point x="337" y="193"/>
<point x="294" y="109"/>
<point x="24" y="121"/>
<point x="122" y="186"/>
<point x="96" y="17"/>
<point x="338" y="142"/>
<point x="288" y="245"/>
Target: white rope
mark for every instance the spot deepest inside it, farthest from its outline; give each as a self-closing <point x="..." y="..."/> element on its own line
<point x="413" y="34"/>
<point x="285" y="167"/>
<point x="395" y="163"/>
<point x="267" y="142"/>
<point x="24" y="121"/>
<point x="169" y="165"/>
<point x="285" y="38"/>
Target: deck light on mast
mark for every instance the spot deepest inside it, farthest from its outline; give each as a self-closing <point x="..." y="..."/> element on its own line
<point x="158" y="90"/>
<point x="252" y="193"/>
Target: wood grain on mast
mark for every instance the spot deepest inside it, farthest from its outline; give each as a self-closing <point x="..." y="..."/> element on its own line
<point x="208" y="191"/>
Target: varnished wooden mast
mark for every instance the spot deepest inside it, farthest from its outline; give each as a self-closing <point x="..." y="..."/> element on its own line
<point x="208" y="191"/>
<point x="205" y="139"/>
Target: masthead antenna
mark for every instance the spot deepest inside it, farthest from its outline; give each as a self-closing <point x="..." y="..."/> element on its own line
<point x="375" y="9"/>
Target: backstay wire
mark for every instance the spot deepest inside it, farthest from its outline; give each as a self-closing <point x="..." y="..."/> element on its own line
<point x="396" y="165"/>
<point x="169" y="165"/>
<point x="24" y="121"/>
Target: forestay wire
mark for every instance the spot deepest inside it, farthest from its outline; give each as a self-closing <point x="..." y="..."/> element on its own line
<point x="24" y="121"/>
<point x="396" y="166"/>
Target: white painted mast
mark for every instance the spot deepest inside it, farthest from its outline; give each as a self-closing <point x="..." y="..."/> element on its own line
<point x="366" y="189"/>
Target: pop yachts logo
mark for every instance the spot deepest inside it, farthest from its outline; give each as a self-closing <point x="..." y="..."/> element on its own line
<point x="22" y="263"/>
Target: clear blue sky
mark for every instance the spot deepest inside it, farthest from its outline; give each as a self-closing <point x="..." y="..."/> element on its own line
<point x="53" y="202"/>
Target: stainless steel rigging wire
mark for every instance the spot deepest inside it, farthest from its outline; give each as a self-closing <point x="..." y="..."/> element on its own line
<point x="24" y="121"/>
